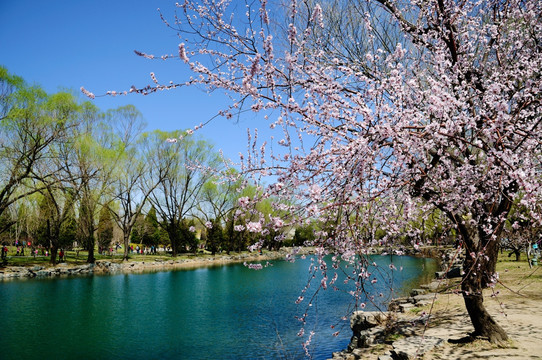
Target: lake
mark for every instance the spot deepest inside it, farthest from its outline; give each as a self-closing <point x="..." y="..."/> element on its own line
<point x="222" y="312"/>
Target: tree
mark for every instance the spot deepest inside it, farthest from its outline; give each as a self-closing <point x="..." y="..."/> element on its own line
<point x="520" y="231"/>
<point x="177" y="194"/>
<point x="56" y="177"/>
<point x="129" y="187"/>
<point x="95" y="154"/>
<point x="214" y="236"/>
<point x="417" y="105"/>
<point x="105" y="228"/>
<point x="151" y="229"/>
<point x="219" y="201"/>
<point x="30" y="121"/>
<point x="57" y="223"/>
<point x="304" y="234"/>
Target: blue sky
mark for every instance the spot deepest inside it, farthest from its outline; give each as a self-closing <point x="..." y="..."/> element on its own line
<point x="66" y="44"/>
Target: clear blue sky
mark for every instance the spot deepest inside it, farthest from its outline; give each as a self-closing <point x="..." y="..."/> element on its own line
<point x="66" y="44"/>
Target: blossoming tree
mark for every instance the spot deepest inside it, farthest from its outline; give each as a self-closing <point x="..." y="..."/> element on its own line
<point x="386" y="111"/>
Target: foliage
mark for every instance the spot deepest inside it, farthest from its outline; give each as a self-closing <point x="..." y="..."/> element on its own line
<point x="303" y="235"/>
<point x="151" y="229"/>
<point x="104" y="231"/>
<point x="214" y="237"/>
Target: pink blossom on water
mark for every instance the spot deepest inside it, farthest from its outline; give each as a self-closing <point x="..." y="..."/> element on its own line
<point x="255" y="266"/>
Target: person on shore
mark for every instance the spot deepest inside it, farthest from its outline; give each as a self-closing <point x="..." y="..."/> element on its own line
<point x="4" y="252"/>
<point x="61" y="256"/>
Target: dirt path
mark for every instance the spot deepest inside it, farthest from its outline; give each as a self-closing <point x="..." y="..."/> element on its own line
<point x="517" y="308"/>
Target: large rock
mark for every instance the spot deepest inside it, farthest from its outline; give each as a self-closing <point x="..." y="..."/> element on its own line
<point x="364" y="320"/>
<point x="455" y="272"/>
<point x="364" y="328"/>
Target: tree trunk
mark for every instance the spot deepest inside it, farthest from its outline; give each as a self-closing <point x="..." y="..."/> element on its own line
<point x="91" y="259"/>
<point x="54" y="250"/>
<point x="484" y="325"/>
<point x="126" y="236"/>
<point x="54" y="234"/>
<point x="478" y="275"/>
<point x="173" y="238"/>
<point x="481" y="254"/>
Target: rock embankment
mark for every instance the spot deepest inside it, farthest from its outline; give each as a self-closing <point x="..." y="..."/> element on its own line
<point x="152" y="264"/>
<point x="14" y="272"/>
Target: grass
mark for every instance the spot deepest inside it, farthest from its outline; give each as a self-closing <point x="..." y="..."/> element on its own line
<point x="516" y="280"/>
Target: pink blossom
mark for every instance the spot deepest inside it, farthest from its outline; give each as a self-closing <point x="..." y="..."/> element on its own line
<point x="254" y="227"/>
<point x="244" y="202"/>
<point x="182" y="53"/>
<point x="87" y="93"/>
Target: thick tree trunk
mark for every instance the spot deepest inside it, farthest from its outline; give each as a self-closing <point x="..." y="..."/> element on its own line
<point x="126" y="246"/>
<point x="173" y="238"/>
<point x="484" y="325"/>
<point x="54" y="250"/>
<point x="91" y="259"/>
<point x="479" y="272"/>
<point x="481" y="254"/>
<point x="54" y="234"/>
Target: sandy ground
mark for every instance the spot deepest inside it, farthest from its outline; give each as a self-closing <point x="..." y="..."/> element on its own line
<point x="517" y="307"/>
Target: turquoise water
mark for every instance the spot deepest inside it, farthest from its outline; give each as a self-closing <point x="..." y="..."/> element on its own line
<point x="225" y="312"/>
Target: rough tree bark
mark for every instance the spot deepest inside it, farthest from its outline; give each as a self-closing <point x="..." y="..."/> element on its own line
<point x="480" y="271"/>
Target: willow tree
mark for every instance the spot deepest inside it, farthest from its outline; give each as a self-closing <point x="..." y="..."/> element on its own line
<point x="129" y="186"/>
<point x="439" y="109"/>
<point x="177" y="194"/>
<point x="30" y="121"/>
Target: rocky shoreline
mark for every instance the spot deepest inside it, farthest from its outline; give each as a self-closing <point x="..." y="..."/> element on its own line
<point x="153" y="264"/>
<point x="104" y="267"/>
<point x="399" y="332"/>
